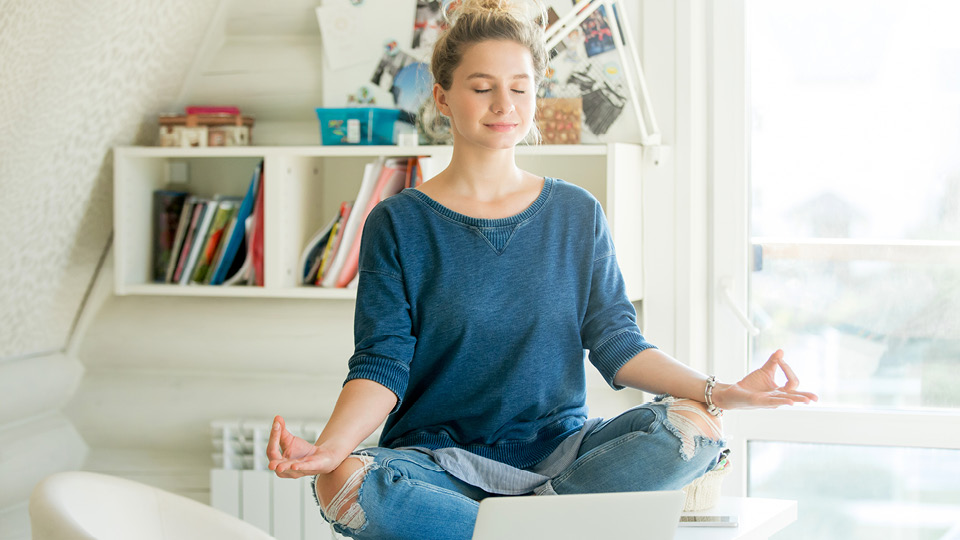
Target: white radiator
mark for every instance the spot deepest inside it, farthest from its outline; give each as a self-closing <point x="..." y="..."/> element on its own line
<point x="242" y="486"/>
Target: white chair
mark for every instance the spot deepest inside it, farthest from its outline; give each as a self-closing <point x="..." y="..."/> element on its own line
<point x="85" y="505"/>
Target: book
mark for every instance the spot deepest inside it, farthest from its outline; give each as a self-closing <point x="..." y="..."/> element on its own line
<point x="328" y="251"/>
<point x="310" y="276"/>
<point x="336" y="238"/>
<point x="389" y="183"/>
<point x="198" y="208"/>
<point x="410" y="180"/>
<point x="237" y="234"/>
<point x="417" y="173"/>
<point x="223" y="207"/>
<point x="185" y="216"/>
<point x="371" y="172"/>
<point x="428" y="167"/>
<point x="197" y="243"/>
<point x="255" y="243"/>
<point x="224" y="240"/>
<point x="167" y="208"/>
<point x="239" y="272"/>
<point x="313" y="252"/>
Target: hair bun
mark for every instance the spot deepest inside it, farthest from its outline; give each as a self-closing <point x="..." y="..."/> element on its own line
<point x="525" y="10"/>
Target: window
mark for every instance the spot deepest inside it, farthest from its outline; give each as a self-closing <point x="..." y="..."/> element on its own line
<point x="861" y="492"/>
<point x="836" y="230"/>
<point x="855" y="196"/>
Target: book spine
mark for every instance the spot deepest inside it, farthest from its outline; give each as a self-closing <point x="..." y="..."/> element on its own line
<point x="371" y="173"/>
<point x="390" y="183"/>
<point x="328" y="251"/>
<point x="256" y="240"/>
<point x="336" y="239"/>
<point x="223" y="210"/>
<point x="185" y="214"/>
<point x="198" y="209"/>
<point x="238" y="233"/>
<point x="167" y="207"/>
<point x="221" y="246"/>
<point x="199" y="239"/>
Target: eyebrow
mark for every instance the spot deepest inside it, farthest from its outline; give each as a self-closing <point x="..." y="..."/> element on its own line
<point x="488" y="76"/>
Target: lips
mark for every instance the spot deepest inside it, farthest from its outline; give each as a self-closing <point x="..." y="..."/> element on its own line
<point x="501" y="126"/>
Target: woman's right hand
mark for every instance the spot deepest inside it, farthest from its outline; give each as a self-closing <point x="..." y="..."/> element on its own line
<point x="293" y="457"/>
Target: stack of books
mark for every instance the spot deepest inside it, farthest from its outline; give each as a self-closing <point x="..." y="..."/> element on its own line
<point x="331" y="257"/>
<point x="219" y="240"/>
<point x="209" y="240"/>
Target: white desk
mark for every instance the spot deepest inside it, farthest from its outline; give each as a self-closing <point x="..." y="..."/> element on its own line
<point x="759" y="518"/>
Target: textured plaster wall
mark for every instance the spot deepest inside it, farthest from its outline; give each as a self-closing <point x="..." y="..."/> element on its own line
<point x="76" y="78"/>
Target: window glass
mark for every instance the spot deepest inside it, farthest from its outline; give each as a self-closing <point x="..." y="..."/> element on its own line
<point x="860" y="492"/>
<point x="855" y="197"/>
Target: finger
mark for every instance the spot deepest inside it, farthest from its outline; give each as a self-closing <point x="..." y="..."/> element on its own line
<point x="775" y="359"/>
<point x="287" y="473"/>
<point x="795" y="397"/>
<point x="810" y="396"/>
<point x="772" y="402"/>
<point x="273" y="443"/>
<point x="792" y="380"/>
<point x="294" y="470"/>
<point x="284" y="466"/>
<point x="314" y="464"/>
<point x="287" y="439"/>
<point x="280" y="464"/>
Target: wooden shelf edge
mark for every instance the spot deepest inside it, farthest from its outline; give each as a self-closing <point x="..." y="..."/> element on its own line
<point x="236" y="292"/>
<point x="344" y="151"/>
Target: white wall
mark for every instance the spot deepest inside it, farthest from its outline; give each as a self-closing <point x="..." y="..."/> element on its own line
<point x="150" y="373"/>
<point x="78" y="78"/>
<point x="675" y="248"/>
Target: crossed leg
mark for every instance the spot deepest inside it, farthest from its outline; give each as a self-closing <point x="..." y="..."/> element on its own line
<point x="338" y="492"/>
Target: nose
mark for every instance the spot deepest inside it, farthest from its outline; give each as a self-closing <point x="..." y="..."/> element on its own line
<point x="502" y="102"/>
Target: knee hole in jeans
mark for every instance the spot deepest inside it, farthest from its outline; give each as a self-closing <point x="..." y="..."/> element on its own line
<point x="342" y="506"/>
<point x="691" y="420"/>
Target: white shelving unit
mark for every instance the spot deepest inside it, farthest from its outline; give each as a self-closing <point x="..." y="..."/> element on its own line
<point x="304" y="186"/>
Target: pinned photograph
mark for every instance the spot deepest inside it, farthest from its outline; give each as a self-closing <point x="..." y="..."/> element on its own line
<point x="392" y="61"/>
<point x="428" y="24"/>
<point x="412" y="87"/>
<point x="597" y="35"/>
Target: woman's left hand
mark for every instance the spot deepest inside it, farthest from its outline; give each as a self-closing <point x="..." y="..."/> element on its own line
<point x="759" y="389"/>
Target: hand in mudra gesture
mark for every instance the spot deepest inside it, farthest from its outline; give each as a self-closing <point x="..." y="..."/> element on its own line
<point x="293" y="457"/>
<point x="759" y="389"/>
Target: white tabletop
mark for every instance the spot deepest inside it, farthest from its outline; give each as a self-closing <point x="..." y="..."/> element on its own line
<point x="758" y="519"/>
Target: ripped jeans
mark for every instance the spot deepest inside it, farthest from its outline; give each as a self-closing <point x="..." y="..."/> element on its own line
<point x="405" y="494"/>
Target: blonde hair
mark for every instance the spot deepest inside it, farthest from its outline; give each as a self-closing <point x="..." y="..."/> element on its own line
<point x="473" y="21"/>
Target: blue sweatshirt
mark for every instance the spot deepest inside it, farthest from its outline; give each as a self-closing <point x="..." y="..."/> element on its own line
<point x="480" y="326"/>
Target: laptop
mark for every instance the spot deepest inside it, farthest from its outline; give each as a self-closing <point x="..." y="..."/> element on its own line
<point x="640" y="515"/>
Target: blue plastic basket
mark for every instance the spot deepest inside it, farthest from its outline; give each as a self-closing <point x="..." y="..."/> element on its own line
<point x="357" y="125"/>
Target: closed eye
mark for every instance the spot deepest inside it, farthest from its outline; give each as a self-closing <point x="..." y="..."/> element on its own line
<point x="487" y="90"/>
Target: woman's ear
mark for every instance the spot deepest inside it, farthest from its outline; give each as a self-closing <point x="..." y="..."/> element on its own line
<point x="440" y="98"/>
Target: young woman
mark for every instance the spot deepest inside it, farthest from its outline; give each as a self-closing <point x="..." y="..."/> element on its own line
<point x="479" y="292"/>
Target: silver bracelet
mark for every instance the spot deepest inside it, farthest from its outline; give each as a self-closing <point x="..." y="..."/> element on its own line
<point x="708" y="397"/>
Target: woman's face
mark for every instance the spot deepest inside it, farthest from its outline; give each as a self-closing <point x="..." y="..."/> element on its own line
<point x="492" y="97"/>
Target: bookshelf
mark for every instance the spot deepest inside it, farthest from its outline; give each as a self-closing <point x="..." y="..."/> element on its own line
<point x="303" y="187"/>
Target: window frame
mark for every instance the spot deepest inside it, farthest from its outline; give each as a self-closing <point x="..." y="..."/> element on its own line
<point x="728" y="142"/>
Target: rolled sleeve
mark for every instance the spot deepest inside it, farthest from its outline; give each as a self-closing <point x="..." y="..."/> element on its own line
<point x="386" y="371"/>
<point x="609" y="330"/>
<point x="383" y="337"/>
<point x="613" y="354"/>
